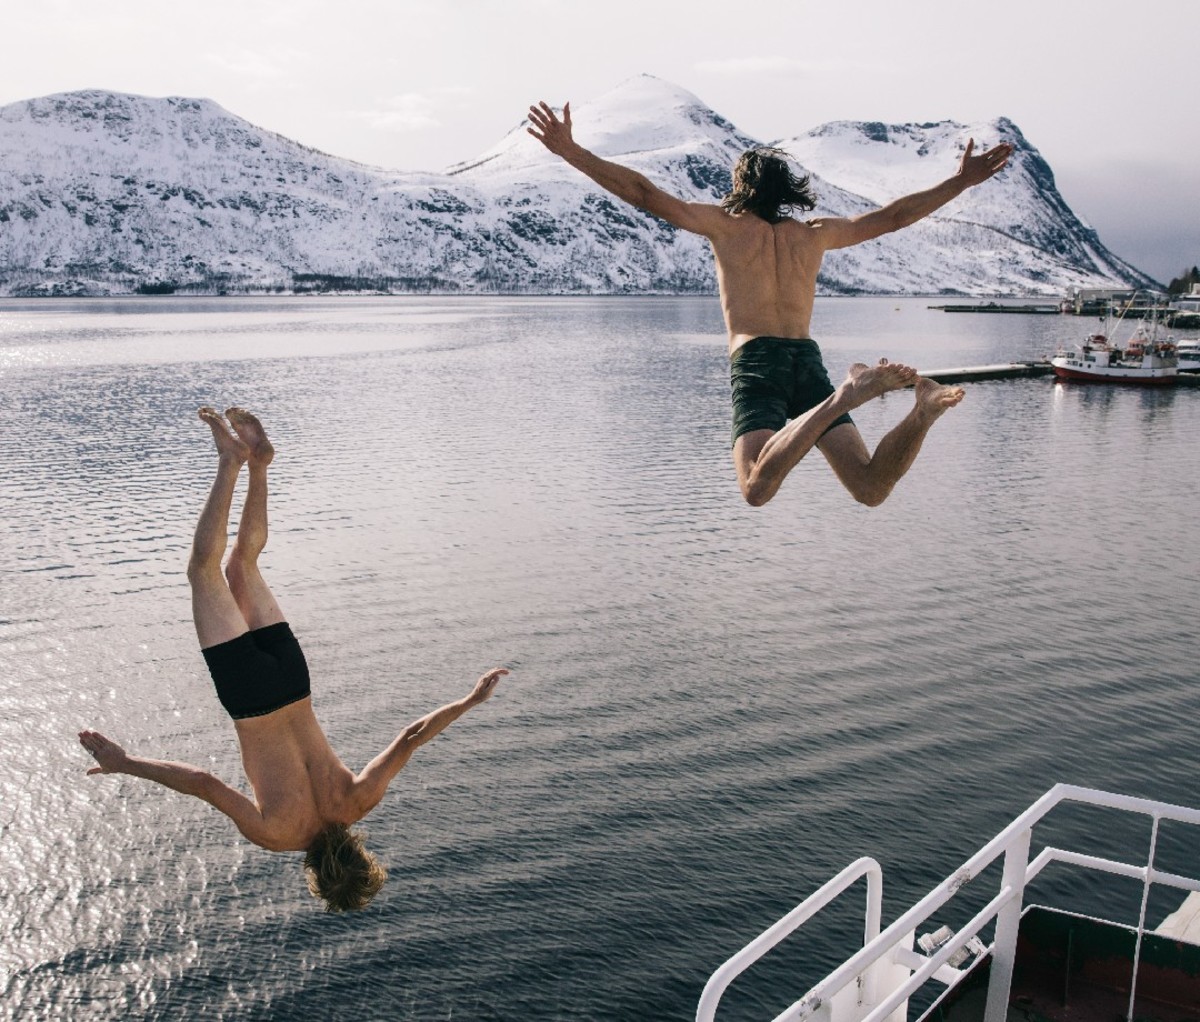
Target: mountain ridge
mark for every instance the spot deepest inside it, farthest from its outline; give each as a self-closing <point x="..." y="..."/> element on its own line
<point x="110" y="193"/>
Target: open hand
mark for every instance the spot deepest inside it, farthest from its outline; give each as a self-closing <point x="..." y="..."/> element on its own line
<point x="486" y="685"/>
<point x="111" y="757"/>
<point x="554" y="134"/>
<point x="974" y="169"/>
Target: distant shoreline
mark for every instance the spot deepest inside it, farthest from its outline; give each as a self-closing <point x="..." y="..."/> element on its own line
<point x="26" y="294"/>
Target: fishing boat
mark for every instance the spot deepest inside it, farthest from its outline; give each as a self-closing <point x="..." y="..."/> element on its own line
<point x="1143" y="360"/>
<point x="1015" y="957"/>
<point x="1187" y="355"/>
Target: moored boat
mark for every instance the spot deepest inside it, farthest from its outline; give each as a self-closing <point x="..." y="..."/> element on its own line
<point x="1187" y="355"/>
<point x="1143" y="360"/>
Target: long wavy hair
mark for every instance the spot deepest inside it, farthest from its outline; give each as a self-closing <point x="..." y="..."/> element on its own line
<point x="763" y="184"/>
<point x="341" y="871"/>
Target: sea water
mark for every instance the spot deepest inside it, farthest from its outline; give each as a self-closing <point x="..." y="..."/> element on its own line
<point x="711" y="708"/>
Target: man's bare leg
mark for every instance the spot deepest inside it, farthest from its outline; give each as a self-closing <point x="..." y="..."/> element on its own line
<point x="870" y="478"/>
<point x="254" y="599"/>
<point x="764" y="458"/>
<point x="214" y="610"/>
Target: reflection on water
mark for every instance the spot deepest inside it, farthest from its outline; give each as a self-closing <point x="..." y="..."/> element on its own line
<point x="711" y="709"/>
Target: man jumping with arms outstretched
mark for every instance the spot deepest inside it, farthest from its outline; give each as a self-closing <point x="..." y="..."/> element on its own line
<point x="305" y="799"/>
<point x="767" y="266"/>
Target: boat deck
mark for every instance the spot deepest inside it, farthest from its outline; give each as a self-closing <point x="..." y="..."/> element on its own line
<point x="1069" y="969"/>
<point x="1012" y="959"/>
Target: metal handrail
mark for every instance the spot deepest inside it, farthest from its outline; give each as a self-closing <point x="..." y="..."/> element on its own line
<point x="811" y="905"/>
<point x="1013" y="843"/>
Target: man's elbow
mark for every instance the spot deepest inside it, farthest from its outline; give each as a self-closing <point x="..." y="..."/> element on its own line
<point x="365" y="797"/>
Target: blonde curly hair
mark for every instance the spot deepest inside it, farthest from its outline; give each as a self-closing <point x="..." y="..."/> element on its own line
<point x="341" y="871"/>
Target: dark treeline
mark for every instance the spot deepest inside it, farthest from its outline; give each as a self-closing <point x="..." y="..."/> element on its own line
<point x="1182" y="284"/>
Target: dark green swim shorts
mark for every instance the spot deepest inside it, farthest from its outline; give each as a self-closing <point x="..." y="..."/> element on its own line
<point x="775" y="379"/>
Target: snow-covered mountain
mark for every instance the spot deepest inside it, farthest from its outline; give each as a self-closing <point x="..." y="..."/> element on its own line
<point x="1014" y="233"/>
<point x="107" y="193"/>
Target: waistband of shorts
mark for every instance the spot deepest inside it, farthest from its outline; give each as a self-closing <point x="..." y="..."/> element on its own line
<point x="799" y="342"/>
<point x="267" y="631"/>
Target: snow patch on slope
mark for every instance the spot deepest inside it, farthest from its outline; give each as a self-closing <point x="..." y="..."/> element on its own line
<point x="115" y="192"/>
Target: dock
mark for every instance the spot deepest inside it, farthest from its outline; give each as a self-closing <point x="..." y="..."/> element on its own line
<point x="1019" y="310"/>
<point x="1000" y="371"/>
<point x="1018" y="371"/>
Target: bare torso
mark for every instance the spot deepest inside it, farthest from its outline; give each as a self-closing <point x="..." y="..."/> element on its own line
<point x="299" y="782"/>
<point x="767" y="275"/>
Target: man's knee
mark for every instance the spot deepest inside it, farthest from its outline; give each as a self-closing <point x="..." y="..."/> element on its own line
<point x="203" y="568"/>
<point x="237" y="566"/>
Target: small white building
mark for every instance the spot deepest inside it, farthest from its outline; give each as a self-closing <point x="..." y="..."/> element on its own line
<point x="1189" y="302"/>
<point x="1089" y="300"/>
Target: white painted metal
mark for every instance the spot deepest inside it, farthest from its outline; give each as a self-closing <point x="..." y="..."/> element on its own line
<point x="886" y="973"/>
<point x="1008" y="922"/>
<point x="763" y="943"/>
<point x="1141" y="923"/>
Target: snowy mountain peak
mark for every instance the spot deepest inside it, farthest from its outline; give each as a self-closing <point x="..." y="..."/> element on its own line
<point x="104" y="192"/>
<point x="112" y="118"/>
<point x="642" y="115"/>
<point x="1021" y="205"/>
<point x="883" y="161"/>
<point x="646" y="114"/>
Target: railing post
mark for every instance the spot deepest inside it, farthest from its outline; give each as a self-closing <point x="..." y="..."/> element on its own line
<point x="1008" y="921"/>
<point x="870" y="984"/>
<point x="1141" y="926"/>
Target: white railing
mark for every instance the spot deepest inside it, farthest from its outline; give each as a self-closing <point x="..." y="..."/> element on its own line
<point x="884" y="952"/>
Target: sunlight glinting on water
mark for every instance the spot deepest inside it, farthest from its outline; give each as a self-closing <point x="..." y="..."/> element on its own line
<point x="711" y="708"/>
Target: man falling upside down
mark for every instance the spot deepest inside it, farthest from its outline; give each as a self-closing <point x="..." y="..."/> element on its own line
<point x="767" y="267"/>
<point x="305" y="798"/>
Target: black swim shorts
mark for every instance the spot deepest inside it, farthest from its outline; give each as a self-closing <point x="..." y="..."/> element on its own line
<point x="259" y="672"/>
<point x="775" y="379"/>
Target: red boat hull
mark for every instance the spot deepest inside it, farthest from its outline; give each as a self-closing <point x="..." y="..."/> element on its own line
<point x="1137" y="381"/>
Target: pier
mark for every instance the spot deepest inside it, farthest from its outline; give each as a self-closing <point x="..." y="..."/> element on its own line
<point x="1022" y="310"/>
<point x="1018" y="371"/>
<point x="1172" y="319"/>
<point x="1000" y="371"/>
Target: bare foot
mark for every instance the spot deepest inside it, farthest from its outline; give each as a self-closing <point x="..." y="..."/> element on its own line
<point x="228" y="445"/>
<point x="251" y="431"/>
<point x="864" y="383"/>
<point x="934" y="398"/>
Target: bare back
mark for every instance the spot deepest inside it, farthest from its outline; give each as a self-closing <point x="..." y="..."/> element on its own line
<point x="299" y="782"/>
<point x="767" y="275"/>
<point x="767" y="272"/>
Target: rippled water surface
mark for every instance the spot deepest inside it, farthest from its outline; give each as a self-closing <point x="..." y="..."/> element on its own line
<point x="711" y="709"/>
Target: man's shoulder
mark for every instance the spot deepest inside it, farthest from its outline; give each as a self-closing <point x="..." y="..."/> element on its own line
<point x="802" y="233"/>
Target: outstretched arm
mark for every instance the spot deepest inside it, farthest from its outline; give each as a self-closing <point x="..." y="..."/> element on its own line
<point x="634" y="188"/>
<point x="182" y="777"/>
<point x="370" y="785"/>
<point x="838" y="232"/>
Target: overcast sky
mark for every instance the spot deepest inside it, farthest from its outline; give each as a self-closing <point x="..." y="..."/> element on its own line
<point x="1106" y="90"/>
